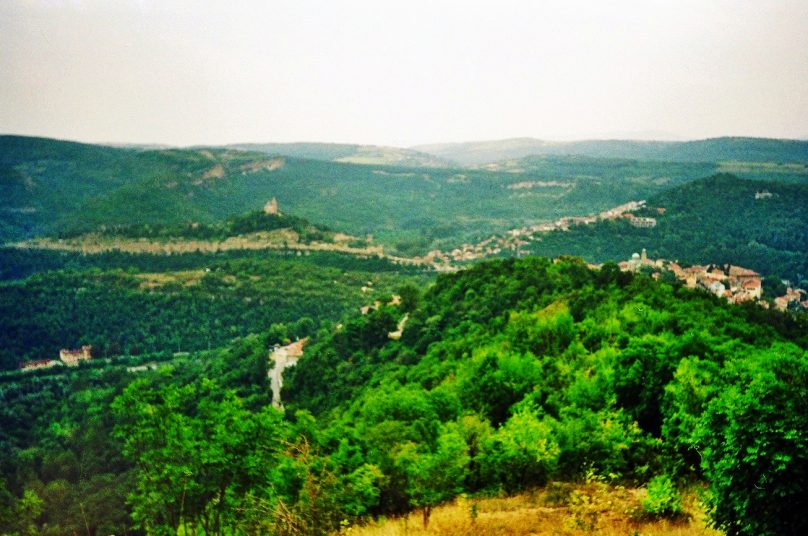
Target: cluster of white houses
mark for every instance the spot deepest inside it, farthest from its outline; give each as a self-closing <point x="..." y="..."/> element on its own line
<point x="735" y="283"/>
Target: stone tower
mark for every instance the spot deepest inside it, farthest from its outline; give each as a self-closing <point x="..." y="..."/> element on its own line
<point x="271" y="207"/>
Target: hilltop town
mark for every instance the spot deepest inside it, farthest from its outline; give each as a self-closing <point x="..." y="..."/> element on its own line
<point x="734" y="283"/>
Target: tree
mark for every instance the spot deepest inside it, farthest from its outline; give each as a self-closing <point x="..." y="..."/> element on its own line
<point x="434" y="477"/>
<point x="643" y="370"/>
<point x="7" y="506"/>
<point x="198" y="453"/>
<point x="29" y="508"/>
<point x="410" y="296"/>
<point x="686" y="396"/>
<point x="521" y="453"/>
<point x="755" y="439"/>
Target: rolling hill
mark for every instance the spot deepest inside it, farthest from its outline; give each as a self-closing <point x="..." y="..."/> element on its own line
<point x="708" y="150"/>
<point x="409" y="210"/>
<point x="42" y="180"/>
<point x="57" y="187"/>
<point x="48" y="185"/>
<point x="349" y="153"/>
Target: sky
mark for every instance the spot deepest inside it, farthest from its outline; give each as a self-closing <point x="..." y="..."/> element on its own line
<point x="402" y="72"/>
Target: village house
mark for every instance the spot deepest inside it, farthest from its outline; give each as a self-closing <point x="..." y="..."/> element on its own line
<point x="743" y="274"/>
<point x="71" y="358"/>
<point x="38" y="364"/>
<point x="792" y="295"/>
<point x="753" y="287"/>
<point x="691" y="273"/>
<point x="711" y="285"/>
<point x="639" y="221"/>
<point x="677" y="270"/>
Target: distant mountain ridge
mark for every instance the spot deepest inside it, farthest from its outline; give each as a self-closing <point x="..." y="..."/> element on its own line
<point x="707" y="150"/>
<point x="349" y="153"/>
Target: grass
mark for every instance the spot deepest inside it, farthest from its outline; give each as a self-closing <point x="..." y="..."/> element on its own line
<point x="559" y="509"/>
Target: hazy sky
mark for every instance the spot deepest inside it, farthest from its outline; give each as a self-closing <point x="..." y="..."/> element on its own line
<point x="401" y="72"/>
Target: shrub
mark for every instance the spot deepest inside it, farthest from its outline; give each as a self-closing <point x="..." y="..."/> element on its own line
<point x="522" y="453"/>
<point x="663" y="499"/>
<point x="755" y="437"/>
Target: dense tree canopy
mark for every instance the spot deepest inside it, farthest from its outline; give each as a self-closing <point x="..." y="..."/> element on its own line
<point x="507" y="375"/>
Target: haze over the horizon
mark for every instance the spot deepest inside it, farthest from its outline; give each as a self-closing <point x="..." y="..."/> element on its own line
<point x="403" y="72"/>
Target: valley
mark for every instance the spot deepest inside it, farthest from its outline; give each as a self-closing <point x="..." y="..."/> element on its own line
<point x="475" y="347"/>
<point x="366" y="268"/>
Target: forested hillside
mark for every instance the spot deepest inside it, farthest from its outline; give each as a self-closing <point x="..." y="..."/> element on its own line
<point x="55" y="187"/>
<point x="714" y="220"/>
<point x="508" y="375"/>
<point x="43" y="180"/>
<point x="131" y="304"/>
<point x="502" y="378"/>
<point x="409" y="211"/>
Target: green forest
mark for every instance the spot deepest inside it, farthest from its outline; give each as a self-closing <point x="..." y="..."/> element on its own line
<point x="497" y="379"/>
<point x="130" y="304"/>
<point x="509" y="375"/>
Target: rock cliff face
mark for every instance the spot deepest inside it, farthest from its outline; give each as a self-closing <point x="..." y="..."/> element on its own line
<point x="282" y="358"/>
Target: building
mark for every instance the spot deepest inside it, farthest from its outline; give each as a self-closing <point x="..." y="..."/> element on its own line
<point x="677" y="270"/>
<point x="271" y="207"/>
<point x="711" y="285"/>
<point x="639" y="260"/>
<point x="38" y="364"/>
<point x="641" y="221"/>
<point x="716" y="274"/>
<point x="743" y="274"/>
<point x="635" y="262"/>
<point x="792" y="296"/>
<point x="735" y="283"/>
<point x="71" y="358"/>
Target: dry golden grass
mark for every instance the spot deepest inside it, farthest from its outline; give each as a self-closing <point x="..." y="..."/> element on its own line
<point x="593" y="508"/>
